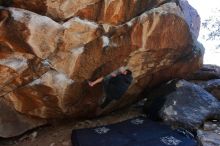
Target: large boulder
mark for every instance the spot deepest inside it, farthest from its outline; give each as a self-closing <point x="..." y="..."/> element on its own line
<point x="49" y="62"/>
<point x="184" y="104"/>
<point x="48" y="55"/>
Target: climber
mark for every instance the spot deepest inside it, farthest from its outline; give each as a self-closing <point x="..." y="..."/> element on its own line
<point x="114" y="85"/>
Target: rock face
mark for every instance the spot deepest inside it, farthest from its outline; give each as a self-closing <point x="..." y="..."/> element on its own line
<point x="45" y="63"/>
<point x="185" y="104"/>
<point x="191" y="16"/>
<point x="102" y="11"/>
<point x="12" y="123"/>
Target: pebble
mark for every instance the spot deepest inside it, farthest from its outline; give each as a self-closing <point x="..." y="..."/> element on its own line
<point x="65" y="143"/>
<point x="52" y="144"/>
<point x="34" y="134"/>
<point x="209" y="126"/>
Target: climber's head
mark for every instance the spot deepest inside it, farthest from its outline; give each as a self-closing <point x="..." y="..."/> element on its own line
<point x="125" y="71"/>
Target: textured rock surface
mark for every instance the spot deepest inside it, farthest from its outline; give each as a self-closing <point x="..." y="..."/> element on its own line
<point x="182" y="103"/>
<point x="105" y="11"/>
<point x="209" y="135"/>
<point x="208" y="77"/>
<point x="189" y="106"/>
<point x="45" y="64"/>
<point x="191" y="16"/>
<point x="12" y="123"/>
<point x="207" y="72"/>
<point x="212" y="86"/>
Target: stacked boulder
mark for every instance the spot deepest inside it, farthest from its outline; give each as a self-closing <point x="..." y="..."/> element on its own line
<point x="192" y="104"/>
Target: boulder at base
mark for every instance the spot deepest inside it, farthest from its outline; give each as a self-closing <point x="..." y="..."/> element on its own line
<point x="205" y="73"/>
<point x="187" y="105"/>
<point x="12" y="123"/>
<point x="208" y="77"/>
<point x="212" y="86"/>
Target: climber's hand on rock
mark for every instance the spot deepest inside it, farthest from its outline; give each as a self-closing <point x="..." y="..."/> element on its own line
<point x="90" y="83"/>
<point x="113" y="75"/>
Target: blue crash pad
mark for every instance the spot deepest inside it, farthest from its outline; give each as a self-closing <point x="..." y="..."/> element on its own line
<point x="134" y="132"/>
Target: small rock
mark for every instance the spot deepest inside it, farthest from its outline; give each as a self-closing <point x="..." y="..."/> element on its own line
<point x="55" y="134"/>
<point x="209" y="126"/>
<point x="23" y="138"/>
<point x="65" y="143"/>
<point x="34" y="134"/>
<point x="52" y="144"/>
<point x="214" y="120"/>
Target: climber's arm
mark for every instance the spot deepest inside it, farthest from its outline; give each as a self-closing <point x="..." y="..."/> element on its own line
<point x="96" y="81"/>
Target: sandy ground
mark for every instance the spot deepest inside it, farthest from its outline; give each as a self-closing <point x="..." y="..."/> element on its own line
<point x="59" y="133"/>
